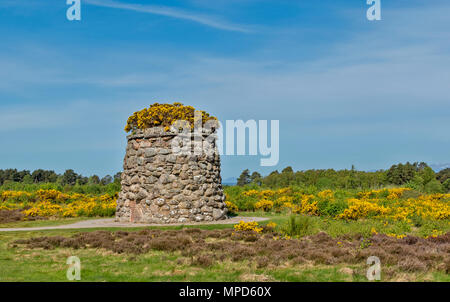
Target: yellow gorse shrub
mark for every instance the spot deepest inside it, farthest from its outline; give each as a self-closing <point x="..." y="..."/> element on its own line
<point x="248" y="226"/>
<point x="264" y="204"/>
<point x="432" y="207"/>
<point x="327" y="194"/>
<point x="263" y="194"/>
<point x="271" y="225"/>
<point x="164" y="115"/>
<point x="52" y="195"/>
<point x="361" y="209"/>
<point x="14" y="195"/>
<point x="231" y="206"/>
<point x="400" y="236"/>
<point x="435" y="233"/>
<point x="386" y="204"/>
<point x="292" y="207"/>
<point x="251" y="193"/>
<point x="47" y="203"/>
<point x="280" y="201"/>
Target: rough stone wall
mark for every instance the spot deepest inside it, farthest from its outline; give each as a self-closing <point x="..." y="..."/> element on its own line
<point x="159" y="186"/>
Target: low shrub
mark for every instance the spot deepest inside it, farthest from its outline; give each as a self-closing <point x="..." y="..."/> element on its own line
<point x="298" y="226"/>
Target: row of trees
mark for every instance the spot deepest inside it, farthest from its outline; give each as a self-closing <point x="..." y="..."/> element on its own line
<point x="69" y="177"/>
<point x="418" y="176"/>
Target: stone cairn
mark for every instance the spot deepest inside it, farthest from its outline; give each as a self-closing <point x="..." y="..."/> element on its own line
<point x="163" y="186"/>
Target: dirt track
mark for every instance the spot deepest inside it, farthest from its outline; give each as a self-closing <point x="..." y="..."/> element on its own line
<point x="110" y="223"/>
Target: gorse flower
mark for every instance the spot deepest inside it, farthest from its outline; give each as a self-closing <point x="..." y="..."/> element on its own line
<point x="165" y="115"/>
<point x="248" y="226"/>
<point x="231" y="206"/>
<point x="265" y="205"/>
<point x="384" y="204"/>
<point x="271" y="225"/>
<point x="52" y="203"/>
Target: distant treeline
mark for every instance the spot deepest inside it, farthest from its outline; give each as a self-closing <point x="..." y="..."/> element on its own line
<point x="69" y="177"/>
<point x="418" y="176"/>
<point x="12" y="179"/>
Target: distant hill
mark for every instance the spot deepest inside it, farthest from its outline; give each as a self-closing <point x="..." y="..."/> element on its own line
<point x="231" y="181"/>
<point x="439" y="167"/>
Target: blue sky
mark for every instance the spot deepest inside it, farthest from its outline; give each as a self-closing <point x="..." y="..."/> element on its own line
<point x="346" y="90"/>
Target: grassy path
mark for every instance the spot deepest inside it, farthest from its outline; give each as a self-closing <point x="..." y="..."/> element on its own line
<point x="110" y="223"/>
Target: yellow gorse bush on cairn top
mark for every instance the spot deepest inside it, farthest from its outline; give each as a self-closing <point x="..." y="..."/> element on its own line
<point x="164" y="115"/>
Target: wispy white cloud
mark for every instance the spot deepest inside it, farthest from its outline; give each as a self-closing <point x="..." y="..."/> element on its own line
<point x="23" y="117"/>
<point x="210" y="21"/>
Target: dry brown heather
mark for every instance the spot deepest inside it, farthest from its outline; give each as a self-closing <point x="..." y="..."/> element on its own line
<point x="7" y="216"/>
<point x="10" y="216"/>
<point x="206" y="247"/>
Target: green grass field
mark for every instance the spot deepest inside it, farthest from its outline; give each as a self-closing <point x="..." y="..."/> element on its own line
<point x="42" y="223"/>
<point x="20" y="263"/>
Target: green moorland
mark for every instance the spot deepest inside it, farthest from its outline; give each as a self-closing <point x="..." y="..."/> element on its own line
<point x="42" y="223"/>
<point x="19" y="262"/>
<point x="322" y="226"/>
